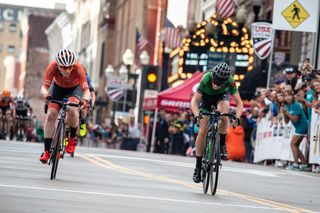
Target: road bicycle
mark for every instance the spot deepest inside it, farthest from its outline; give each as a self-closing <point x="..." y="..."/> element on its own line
<point x="21" y="127"/>
<point x="58" y="147"/>
<point x="211" y="163"/>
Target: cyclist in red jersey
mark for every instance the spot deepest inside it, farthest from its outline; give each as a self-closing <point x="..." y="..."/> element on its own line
<point x="6" y="105"/>
<point x="69" y="81"/>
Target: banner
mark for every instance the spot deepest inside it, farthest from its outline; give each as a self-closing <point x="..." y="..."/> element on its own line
<point x="314" y="155"/>
<point x="273" y="141"/>
<point x="262" y="39"/>
<point x="296" y="15"/>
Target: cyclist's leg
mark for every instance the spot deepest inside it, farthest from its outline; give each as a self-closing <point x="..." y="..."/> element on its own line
<point x="200" y="146"/>
<point x="83" y="127"/>
<point x="57" y="93"/>
<point x="223" y="107"/>
<point x="8" y="123"/>
<point x="1" y="114"/>
<point x="73" y="118"/>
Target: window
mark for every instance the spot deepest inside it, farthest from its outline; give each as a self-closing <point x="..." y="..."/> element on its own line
<point x="11" y="49"/>
<point x="1" y="25"/>
<point x="13" y="27"/>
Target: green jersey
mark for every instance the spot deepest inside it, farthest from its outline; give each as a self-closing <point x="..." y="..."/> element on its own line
<point x="205" y="86"/>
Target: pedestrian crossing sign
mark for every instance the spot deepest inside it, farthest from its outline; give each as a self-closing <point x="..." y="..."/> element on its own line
<point x="295" y="14"/>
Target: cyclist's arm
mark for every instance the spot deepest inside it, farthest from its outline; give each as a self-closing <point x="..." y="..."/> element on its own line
<point x="83" y="82"/>
<point x="239" y="103"/>
<point x="195" y="101"/>
<point x="93" y="97"/>
<point x="48" y="78"/>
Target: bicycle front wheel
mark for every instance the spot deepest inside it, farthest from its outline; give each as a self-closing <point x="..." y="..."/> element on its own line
<point x="215" y="166"/>
<point x="56" y="151"/>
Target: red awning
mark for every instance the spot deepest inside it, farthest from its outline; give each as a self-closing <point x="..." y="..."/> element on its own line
<point x="177" y="97"/>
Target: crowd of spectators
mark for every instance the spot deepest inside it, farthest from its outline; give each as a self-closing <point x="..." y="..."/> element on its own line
<point x="291" y="99"/>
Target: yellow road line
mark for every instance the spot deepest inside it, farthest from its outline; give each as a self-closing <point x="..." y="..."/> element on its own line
<point x="109" y="165"/>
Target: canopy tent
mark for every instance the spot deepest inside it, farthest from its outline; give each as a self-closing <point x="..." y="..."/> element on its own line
<point x="177" y="97"/>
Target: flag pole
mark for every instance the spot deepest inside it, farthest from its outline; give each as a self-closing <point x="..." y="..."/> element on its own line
<point x="270" y="60"/>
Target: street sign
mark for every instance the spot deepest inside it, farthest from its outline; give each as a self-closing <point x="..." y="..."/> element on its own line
<point x="296" y="15"/>
<point x="262" y="39"/>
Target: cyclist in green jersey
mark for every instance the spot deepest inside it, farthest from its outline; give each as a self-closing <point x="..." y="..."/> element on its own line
<point x="214" y="90"/>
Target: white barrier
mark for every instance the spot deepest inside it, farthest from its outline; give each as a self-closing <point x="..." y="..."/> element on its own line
<point x="273" y="142"/>
<point x="314" y="153"/>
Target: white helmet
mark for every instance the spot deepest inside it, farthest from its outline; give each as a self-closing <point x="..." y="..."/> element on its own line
<point x="65" y="58"/>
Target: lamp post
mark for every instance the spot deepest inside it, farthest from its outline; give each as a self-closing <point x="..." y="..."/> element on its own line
<point x="256" y="9"/>
<point x="109" y="71"/>
<point x="128" y="58"/>
<point x="123" y="71"/>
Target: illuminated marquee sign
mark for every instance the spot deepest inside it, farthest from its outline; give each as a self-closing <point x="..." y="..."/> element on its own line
<point x="205" y="60"/>
<point x="228" y="42"/>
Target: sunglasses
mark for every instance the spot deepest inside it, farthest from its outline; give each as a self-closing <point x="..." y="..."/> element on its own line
<point x="65" y="68"/>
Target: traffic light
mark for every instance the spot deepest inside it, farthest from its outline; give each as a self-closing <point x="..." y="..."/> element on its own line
<point x="150" y="77"/>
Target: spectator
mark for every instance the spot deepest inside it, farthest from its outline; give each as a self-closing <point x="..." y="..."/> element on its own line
<point x="291" y="77"/>
<point x="134" y="134"/>
<point x="293" y="112"/>
<point x="162" y="133"/>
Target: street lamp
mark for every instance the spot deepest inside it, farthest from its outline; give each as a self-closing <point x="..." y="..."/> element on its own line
<point x="109" y="71"/>
<point x="128" y="59"/>
<point x="144" y="57"/>
<point x="256" y="9"/>
<point x="123" y="71"/>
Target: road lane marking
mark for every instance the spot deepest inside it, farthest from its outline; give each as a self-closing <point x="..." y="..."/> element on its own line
<point x="140" y="197"/>
<point x="269" y="173"/>
<point x="108" y="164"/>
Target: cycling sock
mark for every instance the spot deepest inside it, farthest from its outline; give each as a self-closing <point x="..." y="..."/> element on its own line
<point x="199" y="161"/>
<point x="222" y="141"/>
<point x="47" y="144"/>
<point x="73" y="132"/>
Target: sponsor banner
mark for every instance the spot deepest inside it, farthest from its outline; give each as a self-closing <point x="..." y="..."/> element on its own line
<point x="262" y="39"/>
<point x="314" y="153"/>
<point x="296" y="15"/>
<point x="174" y="103"/>
<point x="150" y="103"/>
<point x="273" y="142"/>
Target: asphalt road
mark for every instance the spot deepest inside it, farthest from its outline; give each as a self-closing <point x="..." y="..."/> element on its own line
<point x="104" y="180"/>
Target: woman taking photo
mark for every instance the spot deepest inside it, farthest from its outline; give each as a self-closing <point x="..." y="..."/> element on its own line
<point x="293" y="112"/>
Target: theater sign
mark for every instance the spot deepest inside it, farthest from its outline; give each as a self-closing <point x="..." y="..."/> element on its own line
<point x="213" y="42"/>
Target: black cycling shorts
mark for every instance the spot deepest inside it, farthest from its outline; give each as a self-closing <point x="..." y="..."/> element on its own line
<point x="58" y="93"/>
<point x="213" y="100"/>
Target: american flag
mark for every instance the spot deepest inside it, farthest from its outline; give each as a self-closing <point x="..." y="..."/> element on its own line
<point x="140" y="45"/>
<point x="225" y="8"/>
<point x="172" y="35"/>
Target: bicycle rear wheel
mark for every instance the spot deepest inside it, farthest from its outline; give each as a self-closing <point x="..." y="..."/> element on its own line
<point x="215" y="166"/>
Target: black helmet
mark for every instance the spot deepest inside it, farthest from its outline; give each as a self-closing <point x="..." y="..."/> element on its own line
<point x="221" y="73"/>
